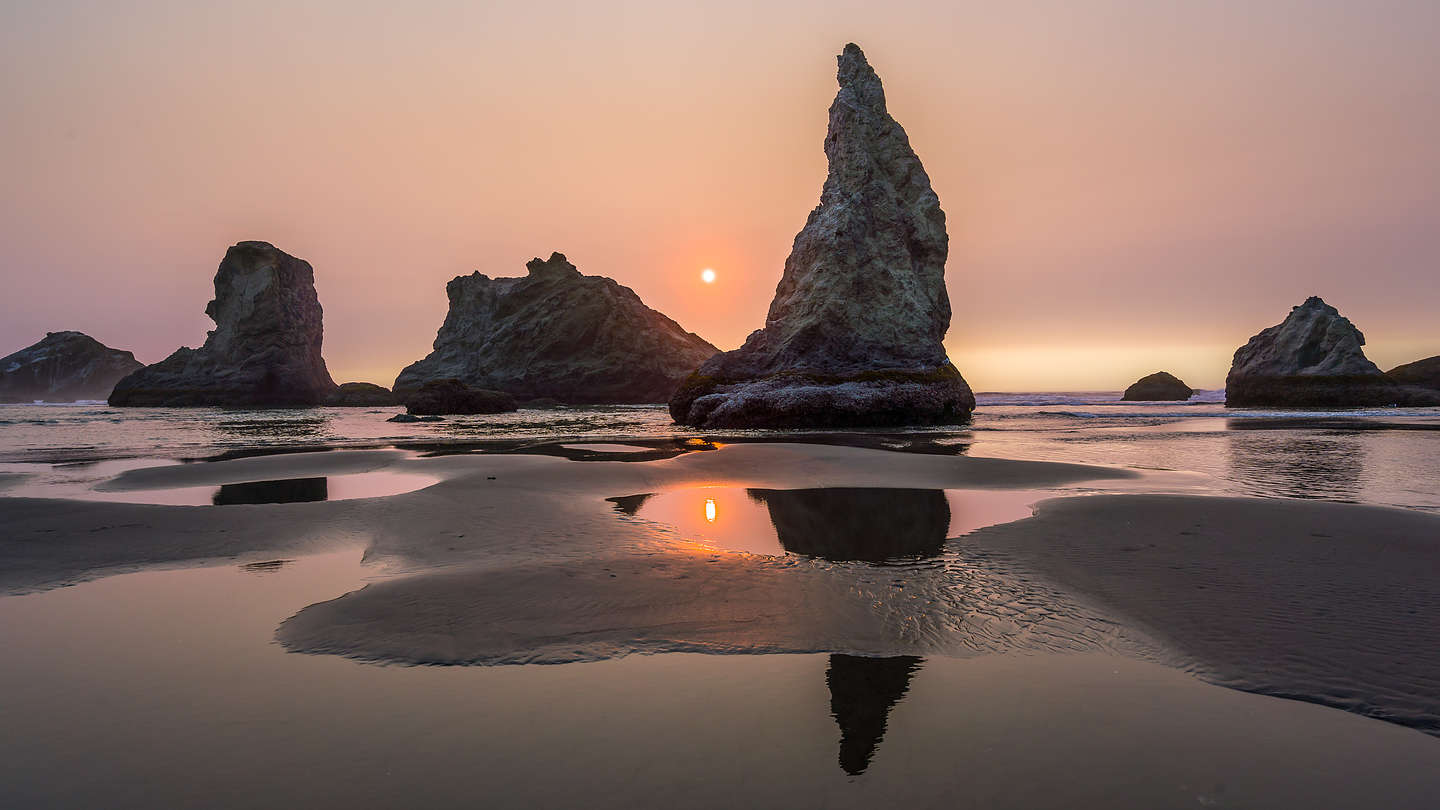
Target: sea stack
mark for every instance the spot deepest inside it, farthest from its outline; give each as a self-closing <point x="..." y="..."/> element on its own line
<point x="1162" y="386"/>
<point x="264" y="351"/>
<point x="1313" y="359"/>
<point x="63" y="367"/>
<point x="556" y="334"/>
<point x="1421" y="373"/>
<point x="853" y="334"/>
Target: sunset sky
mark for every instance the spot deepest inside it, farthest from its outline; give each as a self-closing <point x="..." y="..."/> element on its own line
<point x="1130" y="185"/>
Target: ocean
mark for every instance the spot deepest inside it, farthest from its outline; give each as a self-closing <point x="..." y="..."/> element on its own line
<point x="1382" y="456"/>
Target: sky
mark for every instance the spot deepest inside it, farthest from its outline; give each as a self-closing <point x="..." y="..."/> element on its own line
<point x="1130" y="185"/>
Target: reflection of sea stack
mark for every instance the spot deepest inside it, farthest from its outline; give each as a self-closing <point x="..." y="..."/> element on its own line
<point x="862" y="693"/>
<point x="853" y="334"/>
<point x="1314" y="358"/>
<point x="557" y="334"/>
<point x="858" y="524"/>
<point x="264" y="350"/>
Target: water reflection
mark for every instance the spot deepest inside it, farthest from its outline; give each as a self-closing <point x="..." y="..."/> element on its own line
<point x="1328" y="466"/>
<point x="839" y="524"/>
<point x="862" y="693"/>
<point x="287" y="490"/>
<point x="869" y="525"/>
<point x="265" y="567"/>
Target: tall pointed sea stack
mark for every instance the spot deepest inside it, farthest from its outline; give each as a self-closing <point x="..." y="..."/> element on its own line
<point x="264" y="351"/>
<point x="1313" y="359"/>
<point x="853" y="333"/>
<point x="557" y="334"/>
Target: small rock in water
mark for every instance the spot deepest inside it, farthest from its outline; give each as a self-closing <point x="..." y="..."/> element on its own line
<point x="455" y="397"/>
<point x="1157" y="387"/>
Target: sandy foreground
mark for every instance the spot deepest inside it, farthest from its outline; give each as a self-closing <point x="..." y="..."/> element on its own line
<point x="512" y="559"/>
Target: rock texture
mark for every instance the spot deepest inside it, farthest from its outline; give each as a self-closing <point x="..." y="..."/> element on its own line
<point x="455" y="397"/>
<point x="1160" y="386"/>
<point x="361" y="395"/>
<point x="556" y="334"/>
<point x="1315" y="359"/>
<point x="63" y="367"/>
<point x="853" y="334"/>
<point x="1421" y="373"/>
<point x="264" y="350"/>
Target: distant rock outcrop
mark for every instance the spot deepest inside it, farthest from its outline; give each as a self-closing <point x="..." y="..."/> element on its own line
<point x="1421" y="373"/>
<point x="1313" y="359"/>
<point x="264" y="351"/>
<point x="455" y="397"/>
<point x="556" y="334"/>
<point x="853" y="334"/>
<point x="63" y="367"/>
<point x="361" y="395"/>
<point x="1157" y="387"/>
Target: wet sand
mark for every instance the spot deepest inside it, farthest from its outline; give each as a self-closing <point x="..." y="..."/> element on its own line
<point x="514" y="559"/>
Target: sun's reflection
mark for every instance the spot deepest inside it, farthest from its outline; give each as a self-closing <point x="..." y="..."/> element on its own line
<point x="710" y="510"/>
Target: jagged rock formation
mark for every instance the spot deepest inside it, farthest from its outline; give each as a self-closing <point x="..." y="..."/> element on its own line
<point x="853" y="334"/>
<point x="1315" y="359"/>
<point x="63" y="367"/>
<point x="1421" y="373"/>
<point x="455" y="397"/>
<point x="361" y="395"/>
<point x="556" y="334"/>
<point x="265" y="348"/>
<point x="1160" y="386"/>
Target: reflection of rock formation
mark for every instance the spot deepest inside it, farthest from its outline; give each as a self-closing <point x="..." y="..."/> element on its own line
<point x="288" y="490"/>
<point x="1294" y="464"/>
<point x="858" y="524"/>
<point x="630" y="504"/>
<point x="862" y="693"/>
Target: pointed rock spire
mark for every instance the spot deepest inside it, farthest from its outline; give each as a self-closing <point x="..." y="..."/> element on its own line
<point x="853" y="335"/>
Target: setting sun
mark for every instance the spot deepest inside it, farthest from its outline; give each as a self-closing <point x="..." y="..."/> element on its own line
<point x="707" y="275"/>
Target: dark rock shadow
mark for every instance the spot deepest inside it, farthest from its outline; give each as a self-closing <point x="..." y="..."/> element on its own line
<point x="862" y="693"/>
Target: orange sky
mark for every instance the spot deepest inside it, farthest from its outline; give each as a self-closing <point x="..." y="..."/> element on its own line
<point x="1130" y="185"/>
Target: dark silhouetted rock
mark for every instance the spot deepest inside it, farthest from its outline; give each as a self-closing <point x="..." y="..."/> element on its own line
<point x="361" y="395"/>
<point x="1313" y="359"/>
<point x="264" y="351"/>
<point x="1421" y="373"/>
<point x="556" y="334"/>
<point x="853" y="334"/>
<point x="455" y="397"/>
<point x="1160" y="386"/>
<point x="63" y="367"/>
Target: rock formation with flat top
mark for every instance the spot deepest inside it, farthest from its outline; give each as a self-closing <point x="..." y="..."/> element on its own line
<point x="264" y="351"/>
<point x="1158" y="387"/>
<point x="853" y="334"/>
<point x="63" y="367"/>
<point x="556" y="334"/>
<point x="1313" y="359"/>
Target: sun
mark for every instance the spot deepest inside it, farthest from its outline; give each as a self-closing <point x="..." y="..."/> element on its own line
<point x="707" y="275"/>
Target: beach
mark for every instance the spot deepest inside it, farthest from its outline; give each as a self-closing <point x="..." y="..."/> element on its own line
<point x="1041" y="622"/>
